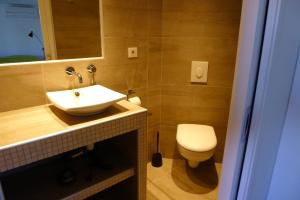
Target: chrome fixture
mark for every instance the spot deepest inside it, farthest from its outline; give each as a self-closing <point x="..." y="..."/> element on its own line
<point x="71" y="71"/>
<point x="77" y="94"/>
<point x="92" y="69"/>
<point x="130" y="92"/>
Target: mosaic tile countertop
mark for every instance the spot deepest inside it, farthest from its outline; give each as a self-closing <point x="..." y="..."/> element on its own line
<point x="31" y="134"/>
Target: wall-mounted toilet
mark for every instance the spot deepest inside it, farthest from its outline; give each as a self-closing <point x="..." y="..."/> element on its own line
<point x="195" y="142"/>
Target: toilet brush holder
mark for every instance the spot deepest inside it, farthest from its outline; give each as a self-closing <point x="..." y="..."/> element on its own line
<point x="157" y="157"/>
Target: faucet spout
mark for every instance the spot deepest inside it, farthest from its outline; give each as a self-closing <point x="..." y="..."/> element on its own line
<point x="71" y="71"/>
<point x="80" y="79"/>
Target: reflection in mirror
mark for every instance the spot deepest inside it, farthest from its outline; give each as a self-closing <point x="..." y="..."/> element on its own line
<point x="20" y="33"/>
<point x="76" y="26"/>
<point x="33" y="30"/>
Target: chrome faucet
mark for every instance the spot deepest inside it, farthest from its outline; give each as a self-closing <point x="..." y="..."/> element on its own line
<point x="71" y="71"/>
<point x="91" y="70"/>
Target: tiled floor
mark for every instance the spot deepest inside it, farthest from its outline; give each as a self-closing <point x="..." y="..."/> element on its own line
<point x="175" y="181"/>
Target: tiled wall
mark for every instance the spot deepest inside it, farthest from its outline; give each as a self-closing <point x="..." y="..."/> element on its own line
<point x="169" y="34"/>
<point x="81" y="18"/>
<point x="126" y="23"/>
<point x="205" y="31"/>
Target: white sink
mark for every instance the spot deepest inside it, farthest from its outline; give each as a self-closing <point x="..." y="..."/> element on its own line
<point x="93" y="99"/>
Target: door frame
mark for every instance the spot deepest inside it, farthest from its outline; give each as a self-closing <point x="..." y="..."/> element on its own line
<point x="247" y="62"/>
<point x="249" y="161"/>
<point x="275" y="80"/>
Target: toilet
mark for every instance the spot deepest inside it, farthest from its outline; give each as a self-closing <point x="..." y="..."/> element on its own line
<point x="196" y="142"/>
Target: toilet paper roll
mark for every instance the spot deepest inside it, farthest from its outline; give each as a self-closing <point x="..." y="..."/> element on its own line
<point x="135" y="100"/>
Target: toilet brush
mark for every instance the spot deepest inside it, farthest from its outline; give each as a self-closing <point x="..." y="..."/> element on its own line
<point x="157" y="158"/>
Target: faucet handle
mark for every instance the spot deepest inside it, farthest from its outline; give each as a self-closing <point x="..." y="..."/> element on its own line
<point x="91" y="68"/>
<point x="70" y="71"/>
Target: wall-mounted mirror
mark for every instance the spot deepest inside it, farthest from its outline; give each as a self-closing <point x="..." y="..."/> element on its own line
<point x="37" y="30"/>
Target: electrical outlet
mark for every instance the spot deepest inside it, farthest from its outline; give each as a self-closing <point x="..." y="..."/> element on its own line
<point x="132" y="52"/>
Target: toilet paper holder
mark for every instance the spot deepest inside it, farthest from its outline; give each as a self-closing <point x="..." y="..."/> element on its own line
<point x="129" y="92"/>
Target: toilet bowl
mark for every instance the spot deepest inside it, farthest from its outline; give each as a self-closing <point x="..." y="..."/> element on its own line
<point x="196" y="143"/>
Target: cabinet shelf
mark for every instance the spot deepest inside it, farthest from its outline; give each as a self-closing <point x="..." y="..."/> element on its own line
<point x="102" y="185"/>
<point x="40" y="182"/>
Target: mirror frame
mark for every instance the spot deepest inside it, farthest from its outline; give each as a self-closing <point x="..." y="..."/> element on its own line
<point x="46" y="16"/>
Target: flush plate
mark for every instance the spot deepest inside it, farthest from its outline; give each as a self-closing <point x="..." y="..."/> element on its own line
<point x="199" y="72"/>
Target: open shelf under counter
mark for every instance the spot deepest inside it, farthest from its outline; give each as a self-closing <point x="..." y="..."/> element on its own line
<point x="123" y="190"/>
<point x="100" y="186"/>
<point x="41" y="180"/>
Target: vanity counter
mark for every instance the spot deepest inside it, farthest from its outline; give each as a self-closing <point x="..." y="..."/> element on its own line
<point x="35" y="123"/>
<point x="34" y="134"/>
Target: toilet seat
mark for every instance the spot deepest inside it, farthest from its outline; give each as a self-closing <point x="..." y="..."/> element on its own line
<point x="195" y="137"/>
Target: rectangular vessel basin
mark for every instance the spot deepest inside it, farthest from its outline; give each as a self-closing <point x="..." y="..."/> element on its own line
<point x="91" y="100"/>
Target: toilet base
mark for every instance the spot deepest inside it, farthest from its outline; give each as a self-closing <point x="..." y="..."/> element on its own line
<point x="193" y="164"/>
<point x="194" y="158"/>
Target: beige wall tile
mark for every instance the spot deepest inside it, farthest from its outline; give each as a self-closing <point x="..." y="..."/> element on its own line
<point x="154" y="20"/>
<point x="154" y="62"/>
<point x="195" y="104"/>
<point x="203" y="5"/>
<point x="199" y="24"/>
<point x="125" y="18"/>
<point x="154" y="117"/>
<point x="154" y="5"/>
<point x="154" y="72"/>
<point x="132" y="23"/>
<point x="221" y="138"/>
<point x="179" y="52"/>
<point x="154" y="106"/>
<point x="205" y="31"/>
<point x="21" y="86"/>
<point x="152" y="131"/>
<point x="55" y="77"/>
<point x="169" y="34"/>
<point x="124" y="77"/>
<point x="116" y="50"/>
<point x="168" y="144"/>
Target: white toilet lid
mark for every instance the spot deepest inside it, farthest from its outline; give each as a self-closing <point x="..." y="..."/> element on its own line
<point x="195" y="137"/>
